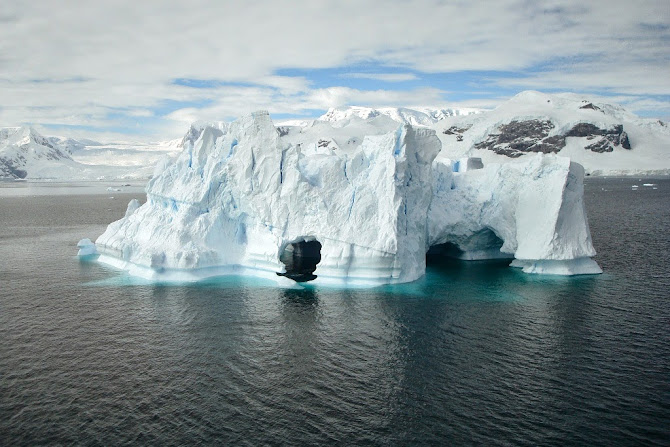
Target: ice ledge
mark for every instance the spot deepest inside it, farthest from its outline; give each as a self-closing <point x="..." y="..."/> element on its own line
<point x="172" y="275"/>
<point x="570" y="267"/>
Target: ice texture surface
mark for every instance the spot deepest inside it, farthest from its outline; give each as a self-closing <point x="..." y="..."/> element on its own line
<point x="86" y="247"/>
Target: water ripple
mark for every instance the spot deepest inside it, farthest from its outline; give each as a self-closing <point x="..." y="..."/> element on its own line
<point x="470" y="354"/>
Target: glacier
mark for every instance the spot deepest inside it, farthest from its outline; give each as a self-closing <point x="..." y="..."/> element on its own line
<point x="355" y="201"/>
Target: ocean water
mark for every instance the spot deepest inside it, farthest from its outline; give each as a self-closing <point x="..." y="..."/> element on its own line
<point x="473" y="353"/>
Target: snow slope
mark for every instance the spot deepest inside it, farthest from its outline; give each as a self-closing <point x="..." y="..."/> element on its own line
<point x="244" y="196"/>
<point x="416" y="117"/>
<point x="591" y="133"/>
<point x="25" y="154"/>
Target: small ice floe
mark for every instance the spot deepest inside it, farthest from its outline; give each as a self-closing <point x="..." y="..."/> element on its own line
<point x="133" y="205"/>
<point x="635" y="186"/>
<point x="649" y="184"/>
<point x="86" y="248"/>
<point x="113" y="189"/>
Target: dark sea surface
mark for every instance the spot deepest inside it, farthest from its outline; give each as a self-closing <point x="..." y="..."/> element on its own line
<point x="473" y="353"/>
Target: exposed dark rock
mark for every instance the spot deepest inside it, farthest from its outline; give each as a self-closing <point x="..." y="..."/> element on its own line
<point x="556" y="140"/>
<point x="550" y="145"/>
<point x="590" y="106"/>
<point x="588" y="129"/>
<point x="521" y="145"/>
<point x="283" y="130"/>
<point x="519" y="137"/>
<point x="610" y="138"/>
<point x="516" y="130"/>
<point x="455" y="130"/>
<point x="8" y="170"/>
<point x="584" y="130"/>
<point x="602" y="145"/>
<point x="624" y="141"/>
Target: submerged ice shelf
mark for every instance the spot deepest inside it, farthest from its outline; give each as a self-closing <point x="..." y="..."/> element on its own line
<point x="357" y="201"/>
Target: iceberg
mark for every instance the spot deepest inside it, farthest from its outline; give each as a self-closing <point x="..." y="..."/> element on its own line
<point x="86" y="248"/>
<point x="359" y="201"/>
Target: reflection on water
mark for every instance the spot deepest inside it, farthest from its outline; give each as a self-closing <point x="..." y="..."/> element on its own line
<point x="473" y="353"/>
<point x="49" y="188"/>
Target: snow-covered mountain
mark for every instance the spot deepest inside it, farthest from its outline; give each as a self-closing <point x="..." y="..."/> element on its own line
<point x="25" y="154"/>
<point x="416" y="117"/>
<point x="24" y="151"/>
<point x="605" y="138"/>
<point x="70" y="145"/>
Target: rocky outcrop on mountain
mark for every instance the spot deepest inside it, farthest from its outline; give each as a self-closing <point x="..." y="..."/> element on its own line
<point x="590" y="106"/>
<point x="605" y="138"/>
<point x="458" y="131"/>
<point x="519" y="137"/>
<point x="454" y="130"/>
<point x="283" y="130"/>
<point x="610" y="137"/>
<point x="8" y="170"/>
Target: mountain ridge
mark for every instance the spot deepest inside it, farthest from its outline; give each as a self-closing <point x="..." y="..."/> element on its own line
<point x="605" y="138"/>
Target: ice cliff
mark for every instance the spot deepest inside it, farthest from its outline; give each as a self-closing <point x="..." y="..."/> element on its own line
<point x="363" y="199"/>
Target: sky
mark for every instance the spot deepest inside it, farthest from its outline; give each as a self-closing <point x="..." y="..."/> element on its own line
<point x="143" y="70"/>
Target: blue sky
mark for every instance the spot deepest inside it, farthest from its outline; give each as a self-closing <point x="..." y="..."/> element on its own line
<point x="128" y="70"/>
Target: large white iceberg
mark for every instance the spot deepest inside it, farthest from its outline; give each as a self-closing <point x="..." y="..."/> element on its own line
<point x="361" y="199"/>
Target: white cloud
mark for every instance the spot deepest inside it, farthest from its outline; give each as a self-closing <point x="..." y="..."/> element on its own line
<point x="384" y="77"/>
<point x="110" y="60"/>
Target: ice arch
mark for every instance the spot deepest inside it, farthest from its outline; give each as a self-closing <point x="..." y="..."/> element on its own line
<point x="483" y="244"/>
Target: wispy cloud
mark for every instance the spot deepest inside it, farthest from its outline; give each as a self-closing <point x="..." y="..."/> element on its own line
<point x="384" y="77"/>
<point x="129" y="63"/>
